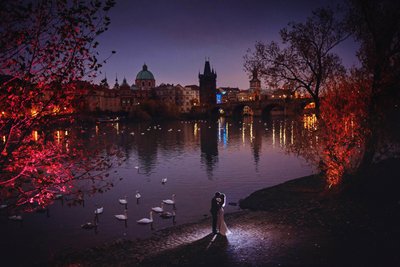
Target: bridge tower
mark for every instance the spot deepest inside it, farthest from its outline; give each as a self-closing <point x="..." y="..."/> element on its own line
<point x="208" y="86"/>
<point x="255" y="85"/>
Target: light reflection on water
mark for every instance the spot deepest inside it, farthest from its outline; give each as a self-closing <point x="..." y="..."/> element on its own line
<point x="197" y="157"/>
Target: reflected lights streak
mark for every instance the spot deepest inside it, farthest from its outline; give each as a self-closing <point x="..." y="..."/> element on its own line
<point x="251" y="132"/>
<point x="291" y="133"/>
<point x="195" y="129"/>
<point x="284" y="133"/>
<point x="117" y="127"/>
<point x="273" y="134"/>
<point x="243" y="134"/>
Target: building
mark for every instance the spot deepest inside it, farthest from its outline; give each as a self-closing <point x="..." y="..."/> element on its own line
<point x="245" y="95"/>
<point x="255" y="86"/>
<point x="125" y="98"/>
<point x="229" y="94"/>
<point x="182" y="97"/>
<point x="208" y="86"/>
<point x="145" y="79"/>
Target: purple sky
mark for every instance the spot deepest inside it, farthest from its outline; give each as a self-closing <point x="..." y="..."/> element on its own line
<point x="173" y="37"/>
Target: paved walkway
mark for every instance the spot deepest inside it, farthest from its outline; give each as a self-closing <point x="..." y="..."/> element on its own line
<point x="256" y="237"/>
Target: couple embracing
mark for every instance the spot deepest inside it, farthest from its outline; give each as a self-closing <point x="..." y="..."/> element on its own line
<point x="217" y="212"/>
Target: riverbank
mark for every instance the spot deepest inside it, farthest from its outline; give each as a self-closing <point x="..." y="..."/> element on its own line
<point x="297" y="223"/>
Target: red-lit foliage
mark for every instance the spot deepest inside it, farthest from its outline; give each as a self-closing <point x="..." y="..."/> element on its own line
<point x="343" y="129"/>
<point x="44" y="47"/>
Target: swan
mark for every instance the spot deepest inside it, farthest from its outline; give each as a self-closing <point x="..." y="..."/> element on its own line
<point x="123" y="201"/>
<point x="99" y="210"/>
<point x="164" y="180"/>
<point x="170" y="201"/>
<point x="15" y="218"/>
<point x="146" y="220"/>
<point x="89" y="225"/>
<point x="132" y="133"/>
<point x="122" y="217"/>
<point x="158" y="209"/>
<point x="138" y="195"/>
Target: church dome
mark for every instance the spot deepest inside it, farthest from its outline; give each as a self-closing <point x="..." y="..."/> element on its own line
<point x="144" y="74"/>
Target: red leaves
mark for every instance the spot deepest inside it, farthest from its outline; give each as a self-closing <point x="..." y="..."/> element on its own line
<point x="343" y="112"/>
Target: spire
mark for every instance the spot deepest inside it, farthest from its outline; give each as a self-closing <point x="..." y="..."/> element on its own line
<point x="116" y="85"/>
<point x="207" y="68"/>
<point x="145" y="67"/>
<point x="104" y="81"/>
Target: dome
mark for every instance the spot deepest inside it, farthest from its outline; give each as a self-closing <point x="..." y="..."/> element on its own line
<point x="144" y="74"/>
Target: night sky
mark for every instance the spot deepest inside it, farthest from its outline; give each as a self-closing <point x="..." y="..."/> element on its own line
<point x="173" y="37"/>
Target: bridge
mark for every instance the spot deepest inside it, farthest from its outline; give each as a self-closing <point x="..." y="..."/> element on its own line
<point x="266" y="107"/>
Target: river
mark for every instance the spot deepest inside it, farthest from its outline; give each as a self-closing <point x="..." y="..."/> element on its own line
<point x="197" y="158"/>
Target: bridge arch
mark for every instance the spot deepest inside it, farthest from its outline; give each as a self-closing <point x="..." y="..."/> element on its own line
<point x="273" y="109"/>
<point x="242" y="110"/>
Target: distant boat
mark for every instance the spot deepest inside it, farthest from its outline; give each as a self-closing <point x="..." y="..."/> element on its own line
<point x="107" y="119"/>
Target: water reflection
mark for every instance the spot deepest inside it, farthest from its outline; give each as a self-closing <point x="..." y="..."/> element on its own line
<point x="198" y="157"/>
<point x="209" y="146"/>
<point x="106" y="145"/>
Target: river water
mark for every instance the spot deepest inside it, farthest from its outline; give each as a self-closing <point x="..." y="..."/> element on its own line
<point x="196" y="157"/>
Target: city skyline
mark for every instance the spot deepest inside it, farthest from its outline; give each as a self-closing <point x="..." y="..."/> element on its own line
<point x="175" y="38"/>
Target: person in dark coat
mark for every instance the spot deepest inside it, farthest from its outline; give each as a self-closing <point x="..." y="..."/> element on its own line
<point x="215" y="206"/>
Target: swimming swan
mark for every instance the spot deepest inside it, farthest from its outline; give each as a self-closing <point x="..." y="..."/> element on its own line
<point x="146" y="220"/>
<point x="122" y="217"/>
<point x="158" y="209"/>
<point x="170" y="201"/>
<point x="99" y="211"/>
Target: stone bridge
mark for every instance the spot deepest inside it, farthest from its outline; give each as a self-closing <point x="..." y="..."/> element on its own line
<point x="258" y="108"/>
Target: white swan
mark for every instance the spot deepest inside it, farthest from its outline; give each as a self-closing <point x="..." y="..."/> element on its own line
<point x="137" y="168"/>
<point x="15" y="218"/>
<point x="170" y="201"/>
<point x="122" y="217"/>
<point x="138" y="195"/>
<point x="123" y="201"/>
<point x="158" y="209"/>
<point x="99" y="210"/>
<point x="146" y="220"/>
<point x="164" y="180"/>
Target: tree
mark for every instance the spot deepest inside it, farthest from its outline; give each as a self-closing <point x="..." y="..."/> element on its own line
<point x="336" y="141"/>
<point x="306" y="60"/>
<point x="45" y="45"/>
<point x="376" y="25"/>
